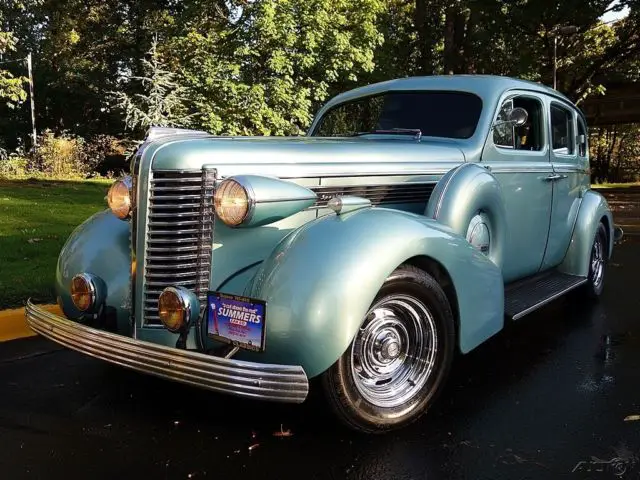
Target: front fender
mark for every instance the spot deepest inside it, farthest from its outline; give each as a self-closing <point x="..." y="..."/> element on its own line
<point x="321" y="279"/>
<point x="99" y="246"/>
<point x="593" y="209"/>
<point x="464" y="192"/>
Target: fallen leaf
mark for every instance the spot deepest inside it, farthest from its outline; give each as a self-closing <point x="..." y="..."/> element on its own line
<point x="283" y="433"/>
<point x="34" y="240"/>
<point x="631" y="418"/>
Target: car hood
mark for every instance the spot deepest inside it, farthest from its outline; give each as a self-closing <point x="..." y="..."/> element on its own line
<point x="306" y="156"/>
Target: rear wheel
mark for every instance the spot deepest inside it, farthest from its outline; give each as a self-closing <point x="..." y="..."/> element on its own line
<point x="400" y="357"/>
<point x="597" y="264"/>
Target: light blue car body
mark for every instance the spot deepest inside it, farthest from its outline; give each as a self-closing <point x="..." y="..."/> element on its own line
<point x="319" y="271"/>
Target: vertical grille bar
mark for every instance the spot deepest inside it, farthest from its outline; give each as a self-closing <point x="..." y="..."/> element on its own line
<point x="179" y="235"/>
<point x="206" y="234"/>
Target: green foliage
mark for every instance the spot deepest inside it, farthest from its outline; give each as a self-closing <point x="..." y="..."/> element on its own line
<point x="267" y="72"/>
<point x="13" y="166"/>
<point x="615" y="153"/>
<point x="12" y="90"/>
<point x="264" y="67"/>
<point x="59" y="156"/>
<point x="162" y="101"/>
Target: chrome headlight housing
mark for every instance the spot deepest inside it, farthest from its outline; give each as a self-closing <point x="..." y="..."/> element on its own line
<point x="233" y="202"/>
<point x="177" y="306"/>
<point x="255" y="200"/>
<point x="119" y="197"/>
<point x="87" y="292"/>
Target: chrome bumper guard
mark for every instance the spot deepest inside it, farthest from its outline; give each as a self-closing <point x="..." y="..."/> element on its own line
<point x="618" y="233"/>
<point x="279" y="383"/>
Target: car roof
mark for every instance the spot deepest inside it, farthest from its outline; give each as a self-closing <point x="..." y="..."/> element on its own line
<point x="485" y="86"/>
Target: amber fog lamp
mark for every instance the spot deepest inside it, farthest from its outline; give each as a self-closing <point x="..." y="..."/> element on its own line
<point x="84" y="292"/>
<point x="176" y="306"/>
<point x="232" y="202"/>
<point x="119" y="197"/>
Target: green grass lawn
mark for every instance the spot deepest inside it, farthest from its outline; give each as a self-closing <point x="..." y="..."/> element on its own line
<point x="36" y="218"/>
<point x="616" y="185"/>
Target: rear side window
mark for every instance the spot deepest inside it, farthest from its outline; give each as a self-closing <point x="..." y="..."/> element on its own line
<point x="562" y="136"/>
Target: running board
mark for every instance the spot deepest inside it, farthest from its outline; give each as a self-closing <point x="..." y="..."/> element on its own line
<point x="528" y="295"/>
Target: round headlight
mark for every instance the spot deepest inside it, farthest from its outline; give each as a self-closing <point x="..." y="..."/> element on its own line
<point x="232" y="202"/>
<point x="174" y="308"/>
<point x="83" y="292"/>
<point x="119" y="197"/>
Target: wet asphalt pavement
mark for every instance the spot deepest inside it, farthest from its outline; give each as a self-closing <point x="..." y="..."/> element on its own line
<point x="546" y="394"/>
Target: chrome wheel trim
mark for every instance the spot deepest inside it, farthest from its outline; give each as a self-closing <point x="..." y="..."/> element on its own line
<point x="597" y="262"/>
<point x="478" y="233"/>
<point x="395" y="351"/>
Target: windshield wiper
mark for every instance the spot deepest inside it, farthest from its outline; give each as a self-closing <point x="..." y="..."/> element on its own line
<point x="416" y="132"/>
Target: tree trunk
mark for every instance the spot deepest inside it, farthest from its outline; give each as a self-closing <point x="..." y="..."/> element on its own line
<point x="467" y="58"/>
<point x="425" y="48"/>
<point x="449" y="54"/>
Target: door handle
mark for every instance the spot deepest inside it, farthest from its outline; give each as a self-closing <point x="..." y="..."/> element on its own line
<point x="554" y="176"/>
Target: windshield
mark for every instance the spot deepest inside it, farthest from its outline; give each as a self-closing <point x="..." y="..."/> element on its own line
<point x="436" y="114"/>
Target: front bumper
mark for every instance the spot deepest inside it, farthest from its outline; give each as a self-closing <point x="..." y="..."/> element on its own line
<point x="280" y="383"/>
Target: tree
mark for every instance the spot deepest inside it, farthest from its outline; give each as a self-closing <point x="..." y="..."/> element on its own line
<point x="12" y="90"/>
<point x="266" y="66"/>
<point x="163" y="101"/>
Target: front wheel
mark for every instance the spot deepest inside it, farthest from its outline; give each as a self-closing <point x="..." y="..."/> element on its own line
<point x="400" y="357"/>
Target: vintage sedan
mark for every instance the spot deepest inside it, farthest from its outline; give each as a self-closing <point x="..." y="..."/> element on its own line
<point x="414" y="220"/>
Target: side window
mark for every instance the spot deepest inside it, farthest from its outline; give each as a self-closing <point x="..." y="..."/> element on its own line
<point x="525" y="137"/>
<point x="562" y="130"/>
<point x="582" y="138"/>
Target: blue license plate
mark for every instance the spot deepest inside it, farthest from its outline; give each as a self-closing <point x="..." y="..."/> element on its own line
<point x="236" y="320"/>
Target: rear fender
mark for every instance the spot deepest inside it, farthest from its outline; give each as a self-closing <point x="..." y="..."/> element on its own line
<point x="321" y="279"/>
<point x="593" y="210"/>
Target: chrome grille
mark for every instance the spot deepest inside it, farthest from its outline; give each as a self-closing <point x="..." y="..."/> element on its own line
<point x="179" y="235"/>
<point x="377" y="194"/>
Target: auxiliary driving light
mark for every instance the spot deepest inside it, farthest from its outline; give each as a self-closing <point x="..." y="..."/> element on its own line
<point x="84" y="291"/>
<point x="176" y="306"/>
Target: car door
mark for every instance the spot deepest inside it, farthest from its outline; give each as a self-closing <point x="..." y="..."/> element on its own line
<point x="569" y="159"/>
<point x="518" y="157"/>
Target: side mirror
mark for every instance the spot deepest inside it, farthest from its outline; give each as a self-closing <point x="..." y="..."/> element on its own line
<point x="518" y="116"/>
<point x="515" y="118"/>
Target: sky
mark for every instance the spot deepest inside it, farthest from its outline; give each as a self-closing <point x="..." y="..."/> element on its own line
<point x="612" y="16"/>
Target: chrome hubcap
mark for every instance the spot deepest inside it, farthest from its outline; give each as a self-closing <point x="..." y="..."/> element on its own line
<point x="597" y="262"/>
<point x="394" y="353"/>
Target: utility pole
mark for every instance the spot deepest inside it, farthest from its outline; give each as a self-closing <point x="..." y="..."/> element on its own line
<point x="33" y="105"/>
<point x="558" y="30"/>
<point x="555" y="59"/>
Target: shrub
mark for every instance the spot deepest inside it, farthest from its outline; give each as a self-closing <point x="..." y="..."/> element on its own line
<point x="69" y="157"/>
<point x="106" y="155"/>
<point x="60" y="157"/>
<point x="13" y="166"/>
